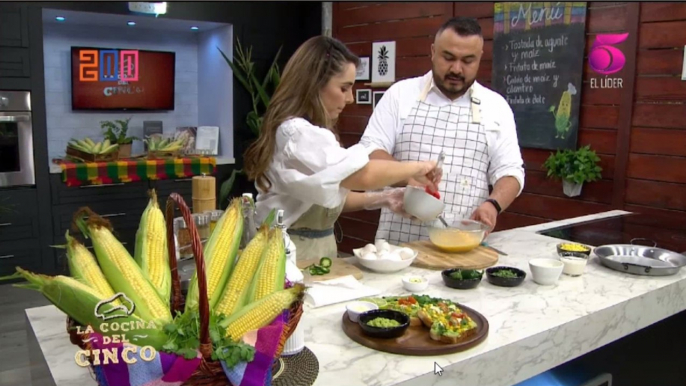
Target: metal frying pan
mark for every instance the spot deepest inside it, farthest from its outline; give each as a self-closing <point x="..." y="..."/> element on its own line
<point x="640" y="260"/>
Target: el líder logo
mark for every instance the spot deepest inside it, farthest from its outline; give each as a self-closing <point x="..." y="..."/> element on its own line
<point x="605" y="59"/>
<point x="117" y="306"/>
<point x="108" y="65"/>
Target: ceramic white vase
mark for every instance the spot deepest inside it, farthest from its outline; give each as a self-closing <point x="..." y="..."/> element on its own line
<point x="571" y="189"/>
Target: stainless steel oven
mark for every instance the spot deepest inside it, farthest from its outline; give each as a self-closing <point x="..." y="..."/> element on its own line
<point x="16" y="139"/>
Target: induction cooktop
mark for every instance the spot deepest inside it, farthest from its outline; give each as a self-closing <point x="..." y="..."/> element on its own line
<point x="643" y="229"/>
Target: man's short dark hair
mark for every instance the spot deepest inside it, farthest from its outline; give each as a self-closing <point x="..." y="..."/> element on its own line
<point x="463" y="26"/>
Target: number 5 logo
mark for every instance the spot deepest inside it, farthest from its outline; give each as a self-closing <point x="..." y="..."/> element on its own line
<point x="604" y="58"/>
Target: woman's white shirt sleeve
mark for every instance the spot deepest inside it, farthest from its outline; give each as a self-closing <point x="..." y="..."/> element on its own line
<point x="310" y="164"/>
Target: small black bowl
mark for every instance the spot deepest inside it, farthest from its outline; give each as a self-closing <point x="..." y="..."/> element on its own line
<point x="384" y="333"/>
<point x="505" y="281"/>
<point x="459" y="283"/>
<point x="561" y="250"/>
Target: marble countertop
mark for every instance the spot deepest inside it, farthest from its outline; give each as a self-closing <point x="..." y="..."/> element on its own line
<point x="532" y="328"/>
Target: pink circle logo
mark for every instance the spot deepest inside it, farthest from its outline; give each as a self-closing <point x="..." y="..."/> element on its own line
<point x="604" y="58"/>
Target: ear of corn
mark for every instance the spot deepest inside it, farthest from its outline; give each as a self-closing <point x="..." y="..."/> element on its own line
<point x="220" y="255"/>
<point x="84" y="268"/>
<point x="151" y="248"/>
<point x="235" y="294"/>
<point x="124" y="275"/>
<point x="260" y="313"/>
<point x="81" y="302"/>
<point x="271" y="273"/>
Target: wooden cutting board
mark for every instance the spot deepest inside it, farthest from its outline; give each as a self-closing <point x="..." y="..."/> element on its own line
<point x="339" y="268"/>
<point x="416" y="339"/>
<point x="433" y="258"/>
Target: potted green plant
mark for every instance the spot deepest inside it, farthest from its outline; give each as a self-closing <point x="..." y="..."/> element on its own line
<point x="116" y="131"/>
<point x="573" y="167"/>
<point x="243" y="69"/>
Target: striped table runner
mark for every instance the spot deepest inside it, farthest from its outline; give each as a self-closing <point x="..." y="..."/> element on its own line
<point x="131" y="170"/>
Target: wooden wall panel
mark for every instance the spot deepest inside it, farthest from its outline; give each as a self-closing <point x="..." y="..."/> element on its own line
<point x="639" y="136"/>
<point x="662" y="35"/>
<point x="658" y="141"/>
<point x="669" y="116"/>
<point x="662" y="11"/>
<point x="660" y="62"/>
<point x="656" y="168"/>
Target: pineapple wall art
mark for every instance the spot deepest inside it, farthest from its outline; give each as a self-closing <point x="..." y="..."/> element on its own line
<point x="383" y="62"/>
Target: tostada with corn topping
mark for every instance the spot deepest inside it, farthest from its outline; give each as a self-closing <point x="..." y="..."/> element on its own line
<point x="447" y="322"/>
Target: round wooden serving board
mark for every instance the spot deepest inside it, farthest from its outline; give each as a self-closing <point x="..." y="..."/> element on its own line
<point x="431" y="257"/>
<point x="416" y="340"/>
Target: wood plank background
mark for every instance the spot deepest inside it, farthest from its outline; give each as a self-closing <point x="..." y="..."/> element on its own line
<point x="640" y="136"/>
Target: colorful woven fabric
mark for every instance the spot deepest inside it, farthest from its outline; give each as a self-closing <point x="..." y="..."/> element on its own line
<point x="98" y="173"/>
<point x="163" y="370"/>
<point x="265" y="341"/>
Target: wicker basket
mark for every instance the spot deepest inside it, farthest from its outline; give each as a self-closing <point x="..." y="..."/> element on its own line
<point x="209" y="373"/>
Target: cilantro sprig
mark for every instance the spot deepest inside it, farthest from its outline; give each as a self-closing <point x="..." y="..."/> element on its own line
<point x="184" y="339"/>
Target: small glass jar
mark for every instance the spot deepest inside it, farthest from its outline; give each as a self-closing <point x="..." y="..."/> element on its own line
<point x="215" y="215"/>
<point x="202" y="222"/>
<point x="183" y="238"/>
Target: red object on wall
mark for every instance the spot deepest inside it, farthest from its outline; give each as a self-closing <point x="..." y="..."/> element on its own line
<point x="93" y="67"/>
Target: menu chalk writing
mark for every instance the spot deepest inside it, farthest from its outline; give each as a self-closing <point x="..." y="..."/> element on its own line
<point x="538" y="53"/>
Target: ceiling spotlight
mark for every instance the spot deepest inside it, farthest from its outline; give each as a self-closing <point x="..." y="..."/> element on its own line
<point x="60" y="18"/>
<point x="131" y="23"/>
<point x="194" y="28"/>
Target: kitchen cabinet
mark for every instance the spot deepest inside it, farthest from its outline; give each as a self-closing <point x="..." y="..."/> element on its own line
<point x="19" y="229"/>
<point x="14" y="63"/>
<point x="120" y="203"/>
<point x="14" y="31"/>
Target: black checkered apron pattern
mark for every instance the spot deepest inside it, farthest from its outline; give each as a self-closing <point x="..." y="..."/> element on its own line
<point x="427" y="130"/>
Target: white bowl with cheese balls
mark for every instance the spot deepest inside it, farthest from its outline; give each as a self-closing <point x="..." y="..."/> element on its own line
<point x="382" y="257"/>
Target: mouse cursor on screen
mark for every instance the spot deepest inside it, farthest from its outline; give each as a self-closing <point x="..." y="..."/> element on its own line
<point x="438" y="370"/>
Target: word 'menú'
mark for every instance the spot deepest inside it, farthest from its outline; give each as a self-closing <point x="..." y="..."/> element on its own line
<point x="108" y="65"/>
<point x="533" y="16"/>
<point x="112" y="355"/>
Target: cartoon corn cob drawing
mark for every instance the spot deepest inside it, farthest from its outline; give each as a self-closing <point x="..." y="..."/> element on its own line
<point x="564" y="109"/>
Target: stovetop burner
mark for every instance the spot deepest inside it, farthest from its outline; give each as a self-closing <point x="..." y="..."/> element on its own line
<point x="643" y="229"/>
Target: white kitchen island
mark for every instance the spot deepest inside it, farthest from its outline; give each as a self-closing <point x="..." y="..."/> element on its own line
<point x="532" y="328"/>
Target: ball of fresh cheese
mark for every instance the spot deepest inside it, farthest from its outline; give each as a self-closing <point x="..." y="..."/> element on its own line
<point x="369" y="256"/>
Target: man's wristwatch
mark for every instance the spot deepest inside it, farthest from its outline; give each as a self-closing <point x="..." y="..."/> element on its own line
<point x="495" y="203"/>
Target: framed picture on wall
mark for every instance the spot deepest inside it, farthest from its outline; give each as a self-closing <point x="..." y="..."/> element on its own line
<point x="363" y="96"/>
<point x="383" y="63"/>
<point x="377" y="97"/>
<point x="363" y="69"/>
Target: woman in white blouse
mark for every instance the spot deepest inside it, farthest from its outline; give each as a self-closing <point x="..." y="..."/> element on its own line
<point x="298" y="164"/>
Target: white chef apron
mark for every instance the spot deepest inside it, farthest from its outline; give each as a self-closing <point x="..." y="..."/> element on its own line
<point x="459" y="132"/>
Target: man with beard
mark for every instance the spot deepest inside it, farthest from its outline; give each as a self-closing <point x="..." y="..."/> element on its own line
<point x="447" y="110"/>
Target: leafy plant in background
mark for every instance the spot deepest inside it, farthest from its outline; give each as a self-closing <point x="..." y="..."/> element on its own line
<point x="260" y="94"/>
<point x="576" y="166"/>
<point x="116" y="131"/>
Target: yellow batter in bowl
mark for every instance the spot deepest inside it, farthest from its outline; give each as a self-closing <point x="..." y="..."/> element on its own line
<point x="455" y="240"/>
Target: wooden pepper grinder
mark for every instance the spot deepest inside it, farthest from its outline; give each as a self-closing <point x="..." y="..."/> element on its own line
<point x="204" y="194"/>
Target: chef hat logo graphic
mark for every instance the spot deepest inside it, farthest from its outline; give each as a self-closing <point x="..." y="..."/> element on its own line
<point x="604" y="58"/>
<point x="110" y="309"/>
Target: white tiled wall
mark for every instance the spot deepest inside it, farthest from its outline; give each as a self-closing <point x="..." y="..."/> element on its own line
<point x="64" y="124"/>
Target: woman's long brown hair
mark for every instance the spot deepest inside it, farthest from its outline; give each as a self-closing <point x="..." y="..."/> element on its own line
<point x="310" y="68"/>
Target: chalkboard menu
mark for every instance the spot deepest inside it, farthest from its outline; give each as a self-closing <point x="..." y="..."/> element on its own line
<point x="538" y="54"/>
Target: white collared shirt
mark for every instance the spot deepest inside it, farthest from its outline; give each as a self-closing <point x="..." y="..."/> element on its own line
<point x="389" y="115"/>
<point x="307" y="168"/>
